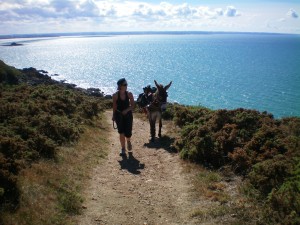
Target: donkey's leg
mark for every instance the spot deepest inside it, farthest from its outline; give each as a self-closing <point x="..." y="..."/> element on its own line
<point x="160" y="126"/>
<point x="152" y="120"/>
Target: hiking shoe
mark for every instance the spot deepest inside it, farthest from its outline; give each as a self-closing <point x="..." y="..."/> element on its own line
<point x="129" y="145"/>
<point x="122" y="152"/>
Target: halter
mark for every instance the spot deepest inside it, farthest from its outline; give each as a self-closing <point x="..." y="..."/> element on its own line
<point x="156" y="99"/>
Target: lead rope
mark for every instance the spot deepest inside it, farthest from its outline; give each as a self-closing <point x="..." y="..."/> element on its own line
<point x="116" y="127"/>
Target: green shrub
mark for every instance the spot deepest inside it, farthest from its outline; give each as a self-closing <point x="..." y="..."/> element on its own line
<point x="43" y="146"/>
<point x="186" y="115"/>
<point x="285" y="199"/>
<point x="9" y="193"/>
<point x="34" y="120"/>
<point x="13" y="147"/>
<point x="270" y="174"/>
<point x="170" y="112"/>
<point x="254" y="144"/>
<point x="90" y="109"/>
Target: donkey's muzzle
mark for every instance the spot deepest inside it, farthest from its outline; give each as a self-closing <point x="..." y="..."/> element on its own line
<point x="163" y="107"/>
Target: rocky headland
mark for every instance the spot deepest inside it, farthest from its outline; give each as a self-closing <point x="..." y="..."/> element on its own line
<point x="34" y="77"/>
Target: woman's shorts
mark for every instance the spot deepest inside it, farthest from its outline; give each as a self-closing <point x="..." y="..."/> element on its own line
<point x="124" y="123"/>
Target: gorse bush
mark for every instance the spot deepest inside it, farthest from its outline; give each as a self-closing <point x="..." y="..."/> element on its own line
<point x="254" y="144"/>
<point x="9" y="193"/>
<point x="34" y="121"/>
<point x="286" y="198"/>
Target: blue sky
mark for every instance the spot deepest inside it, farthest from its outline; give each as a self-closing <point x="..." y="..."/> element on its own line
<point x="48" y="16"/>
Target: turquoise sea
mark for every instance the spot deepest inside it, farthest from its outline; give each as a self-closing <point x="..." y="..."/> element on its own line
<point x="254" y="71"/>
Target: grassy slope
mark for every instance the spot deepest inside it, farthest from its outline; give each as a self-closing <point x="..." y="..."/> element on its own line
<point x="51" y="190"/>
<point x="38" y="174"/>
<point x="265" y="151"/>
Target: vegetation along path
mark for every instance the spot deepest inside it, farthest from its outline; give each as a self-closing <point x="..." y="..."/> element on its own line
<point x="147" y="187"/>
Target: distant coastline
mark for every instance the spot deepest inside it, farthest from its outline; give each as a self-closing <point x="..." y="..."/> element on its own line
<point x="216" y="71"/>
<point x="104" y="34"/>
<point x="13" y="44"/>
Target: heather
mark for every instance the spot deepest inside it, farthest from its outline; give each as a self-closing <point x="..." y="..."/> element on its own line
<point x="37" y="116"/>
<point x="264" y="150"/>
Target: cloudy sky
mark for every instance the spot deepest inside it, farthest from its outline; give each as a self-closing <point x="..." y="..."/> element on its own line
<point x="49" y="16"/>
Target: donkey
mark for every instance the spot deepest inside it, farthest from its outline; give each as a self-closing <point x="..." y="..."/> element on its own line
<point x="156" y="107"/>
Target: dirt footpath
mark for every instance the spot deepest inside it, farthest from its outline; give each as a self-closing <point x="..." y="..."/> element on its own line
<point x="147" y="187"/>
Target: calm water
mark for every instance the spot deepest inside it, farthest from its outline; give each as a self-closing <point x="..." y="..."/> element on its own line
<point x="253" y="71"/>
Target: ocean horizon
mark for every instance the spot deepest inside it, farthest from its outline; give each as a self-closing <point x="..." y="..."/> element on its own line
<point x="117" y="33"/>
<point x="218" y="70"/>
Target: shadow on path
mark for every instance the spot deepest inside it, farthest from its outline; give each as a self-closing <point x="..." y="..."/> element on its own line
<point x="131" y="164"/>
<point x="164" y="142"/>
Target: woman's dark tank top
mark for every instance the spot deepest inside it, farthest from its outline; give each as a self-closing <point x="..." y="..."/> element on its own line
<point x="122" y="104"/>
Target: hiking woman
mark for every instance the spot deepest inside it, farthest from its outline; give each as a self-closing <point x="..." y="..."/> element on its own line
<point x="123" y="104"/>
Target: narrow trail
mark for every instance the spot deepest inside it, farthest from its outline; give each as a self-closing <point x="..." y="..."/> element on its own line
<point x="148" y="187"/>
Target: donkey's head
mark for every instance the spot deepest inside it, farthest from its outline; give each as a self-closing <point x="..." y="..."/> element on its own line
<point x="162" y="94"/>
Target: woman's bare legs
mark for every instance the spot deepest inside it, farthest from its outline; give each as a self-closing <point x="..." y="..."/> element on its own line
<point x="129" y="146"/>
<point x="122" y="142"/>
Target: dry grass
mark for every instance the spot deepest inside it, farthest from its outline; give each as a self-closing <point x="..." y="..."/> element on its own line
<point x="210" y="184"/>
<point x="209" y="214"/>
<point x="222" y="197"/>
<point x="51" y="190"/>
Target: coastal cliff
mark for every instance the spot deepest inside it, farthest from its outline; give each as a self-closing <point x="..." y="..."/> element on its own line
<point x="39" y="116"/>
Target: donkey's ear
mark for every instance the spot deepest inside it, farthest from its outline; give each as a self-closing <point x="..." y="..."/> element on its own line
<point x="156" y="84"/>
<point x="169" y="85"/>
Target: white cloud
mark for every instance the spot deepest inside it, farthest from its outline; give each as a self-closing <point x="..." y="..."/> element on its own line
<point x="185" y="10"/>
<point x="282" y="20"/>
<point x="122" y="15"/>
<point x="231" y="11"/>
<point x="219" y="11"/>
<point x="292" y="13"/>
<point x="26" y="9"/>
